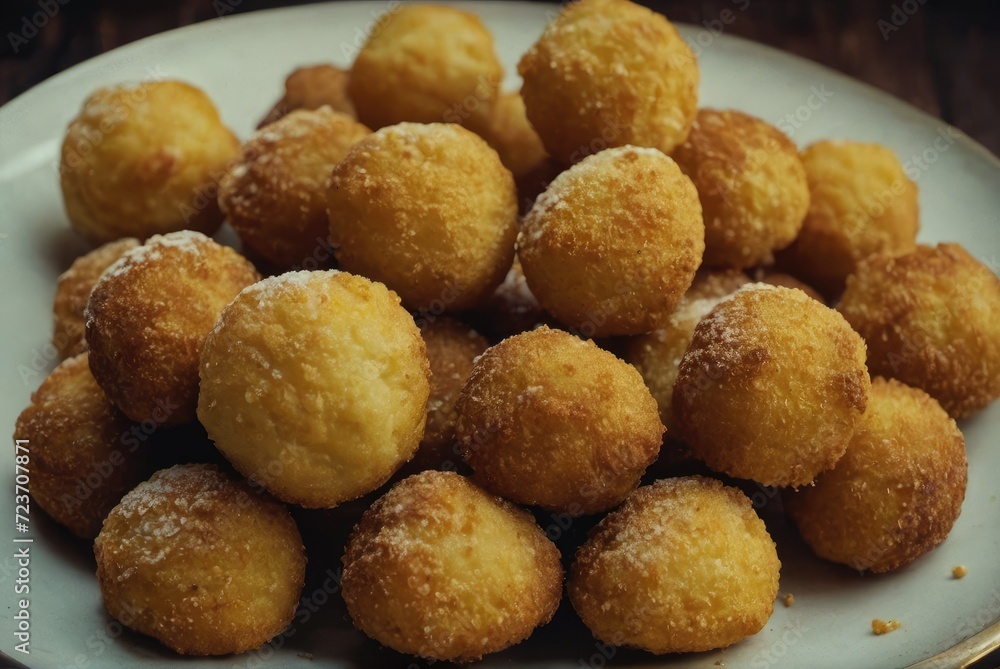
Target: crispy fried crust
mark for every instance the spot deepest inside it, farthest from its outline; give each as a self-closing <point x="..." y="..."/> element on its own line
<point x="427" y="64"/>
<point x="613" y="243"/>
<point x="897" y="491"/>
<point x="311" y="88"/>
<point x="932" y="320"/>
<point x="83" y="457"/>
<point x="751" y="183"/>
<point x="144" y="160"/>
<point x="429" y="210"/>
<point x="274" y="194"/>
<point x="205" y="564"/>
<point x="772" y="386"/>
<point x="73" y="291"/>
<point x="684" y="565"/>
<point x="609" y="73"/>
<point x="315" y="384"/>
<point x="452" y="347"/>
<point x="788" y="281"/>
<point x="148" y="317"/>
<point x="549" y="419"/>
<point x="860" y="202"/>
<point x="439" y="568"/>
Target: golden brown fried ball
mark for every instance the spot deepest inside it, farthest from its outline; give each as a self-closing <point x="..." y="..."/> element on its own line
<point x="860" y="202"/>
<point x="428" y="210"/>
<point x="751" y="183"/>
<point x="274" y="194"/>
<point x="896" y="492"/>
<point x="608" y="73"/>
<point x="73" y="291"/>
<point x="205" y="564"/>
<point x="144" y="160"/>
<point x="452" y="347"/>
<point x="932" y="320"/>
<point x="439" y="568"/>
<point x="549" y="419"/>
<point x="427" y="64"/>
<point x="311" y="88"/>
<point x="315" y="384"/>
<point x="84" y="456"/>
<point x="788" y="281"/>
<point x="657" y="355"/>
<point x="148" y="317"/>
<point x="611" y="246"/>
<point x="684" y="565"/>
<point x="510" y="133"/>
<point x="771" y="387"/>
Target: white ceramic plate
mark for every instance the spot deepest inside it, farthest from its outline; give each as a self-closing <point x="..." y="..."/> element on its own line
<point x="241" y="62"/>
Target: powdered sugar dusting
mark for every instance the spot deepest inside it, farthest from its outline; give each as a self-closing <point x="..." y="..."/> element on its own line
<point x="585" y="175"/>
<point x="161" y="508"/>
<point x="185" y="241"/>
<point x="724" y="326"/>
<point x="273" y="288"/>
<point x="414" y="132"/>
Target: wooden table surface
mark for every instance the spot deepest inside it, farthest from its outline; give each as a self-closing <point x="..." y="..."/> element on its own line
<point x="941" y="56"/>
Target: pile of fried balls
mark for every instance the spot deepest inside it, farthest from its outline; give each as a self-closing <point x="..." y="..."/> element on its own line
<point x="530" y="298"/>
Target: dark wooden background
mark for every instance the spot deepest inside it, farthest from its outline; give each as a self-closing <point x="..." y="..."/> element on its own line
<point x="939" y="55"/>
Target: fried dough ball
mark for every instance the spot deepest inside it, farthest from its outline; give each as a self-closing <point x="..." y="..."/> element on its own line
<point x="83" y="454"/>
<point x="205" y="564"/>
<point x="608" y="73"/>
<point x="315" y="384"/>
<point x="932" y="320"/>
<point x="429" y="210"/>
<point x="148" y="317"/>
<point x="439" y="568"/>
<point x="552" y="420"/>
<point x="73" y="291"/>
<point x="144" y="160"/>
<point x="771" y="387"/>
<point x="510" y="133"/>
<point x="788" y="281"/>
<point x="274" y="194"/>
<point x="427" y="64"/>
<point x="896" y="492"/>
<point x="451" y="349"/>
<point x="860" y="202"/>
<point x="657" y="355"/>
<point x="312" y="88"/>
<point x="684" y="565"/>
<point x="611" y="246"/>
<point x="751" y="183"/>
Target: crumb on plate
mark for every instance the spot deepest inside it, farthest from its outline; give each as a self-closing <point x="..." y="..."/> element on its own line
<point x="788" y="599"/>
<point x="880" y="627"/>
<point x="960" y="571"/>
